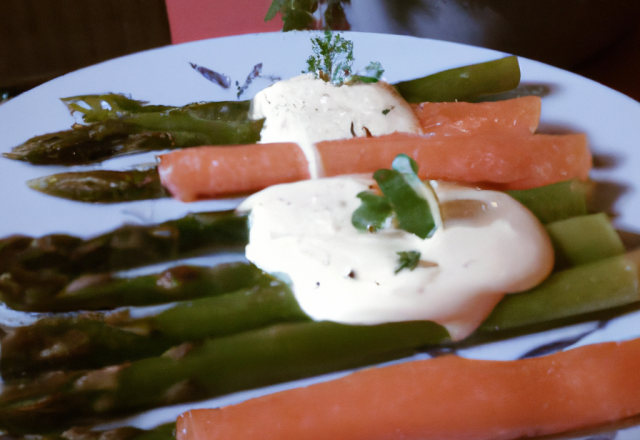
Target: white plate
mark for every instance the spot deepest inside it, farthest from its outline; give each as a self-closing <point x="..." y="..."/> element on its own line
<point x="164" y="76"/>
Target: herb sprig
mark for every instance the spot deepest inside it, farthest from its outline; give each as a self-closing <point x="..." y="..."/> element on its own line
<point x="408" y="260"/>
<point x="332" y="61"/>
<point x="332" y="58"/>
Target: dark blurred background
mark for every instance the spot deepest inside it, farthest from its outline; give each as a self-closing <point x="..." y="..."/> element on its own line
<point x="43" y="39"/>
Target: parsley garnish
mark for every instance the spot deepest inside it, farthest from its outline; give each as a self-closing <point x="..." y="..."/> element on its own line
<point x="332" y="61"/>
<point x="408" y="260"/>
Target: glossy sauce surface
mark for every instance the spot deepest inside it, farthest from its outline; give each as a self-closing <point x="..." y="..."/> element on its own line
<point x="489" y="245"/>
<point x="308" y="110"/>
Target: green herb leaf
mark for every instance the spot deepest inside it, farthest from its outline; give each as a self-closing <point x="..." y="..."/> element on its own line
<point x="414" y="202"/>
<point x="332" y="58"/>
<point x="371" y="74"/>
<point x="374" y="212"/>
<point x="408" y="260"/>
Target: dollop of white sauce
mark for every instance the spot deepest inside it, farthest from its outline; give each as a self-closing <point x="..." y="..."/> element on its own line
<point x="489" y="245"/>
<point x="306" y="110"/>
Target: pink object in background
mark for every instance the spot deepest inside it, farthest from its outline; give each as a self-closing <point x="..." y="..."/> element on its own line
<point x="200" y="19"/>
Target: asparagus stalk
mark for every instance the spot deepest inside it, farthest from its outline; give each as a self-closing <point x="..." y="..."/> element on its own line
<point x="90" y="340"/>
<point x="580" y="291"/>
<point x="558" y="201"/>
<point x="102" y="186"/>
<point x="180" y="283"/>
<point x="162" y="432"/>
<point x="463" y="83"/>
<point x="196" y="371"/>
<point x="94" y="108"/>
<point x="35" y="270"/>
<point x="119" y="133"/>
<point x="584" y="239"/>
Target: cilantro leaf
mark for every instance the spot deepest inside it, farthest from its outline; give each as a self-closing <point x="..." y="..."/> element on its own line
<point x="407" y="260"/>
<point x="373" y="213"/>
<point x="413" y="201"/>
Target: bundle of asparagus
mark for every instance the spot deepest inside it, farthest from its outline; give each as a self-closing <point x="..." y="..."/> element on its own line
<point x="117" y="125"/>
<point x="127" y="126"/>
<point x="233" y="327"/>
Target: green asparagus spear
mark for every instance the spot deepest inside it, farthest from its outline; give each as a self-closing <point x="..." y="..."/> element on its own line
<point x="204" y="318"/>
<point x="584" y="239"/>
<point x="162" y="432"/>
<point x="133" y="133"/>
<point x="109" y="106"/>
<point x="180" y="283"/>
<point x="92" y="340"/>
<point x="558" y="201"/>
<point x="102" y="186"/>
<point x="597" y="286"/>
<point x="196" y="371"/>
<point x="34" y="270"/>
<point x="463" y="83"/>
<point x="96" y="108"/>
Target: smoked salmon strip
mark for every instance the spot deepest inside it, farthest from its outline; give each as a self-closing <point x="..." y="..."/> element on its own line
<point x="443" y="398"/>
<point x="214" y="172"/>
<point x="509" y="160"/>
<point x="504" y="159"/>
<point x="452" y="118"/>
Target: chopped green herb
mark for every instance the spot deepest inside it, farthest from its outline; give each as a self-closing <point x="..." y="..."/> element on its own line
<point x="374" y="213"/>
<point x="386" y="110"/>
<point x="406" y="200"/>
<point x="414" y="202"/>
<point x="332" y="61"/>
<point x="372" y="73"/>
<point x="408" y="260"/>
<point x="332" y="58"/>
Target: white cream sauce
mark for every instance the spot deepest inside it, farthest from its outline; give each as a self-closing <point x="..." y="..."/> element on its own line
<point x="306" y="110"/>
<point x="489" y="245"/>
